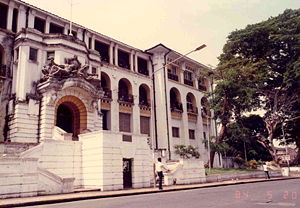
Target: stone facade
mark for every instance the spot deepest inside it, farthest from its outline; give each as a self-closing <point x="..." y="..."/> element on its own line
<point x="94" y="111"/>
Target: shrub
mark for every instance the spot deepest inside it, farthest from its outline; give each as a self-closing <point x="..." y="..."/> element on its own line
<point x="252" y="164"/>
<point x="186" y="151"/>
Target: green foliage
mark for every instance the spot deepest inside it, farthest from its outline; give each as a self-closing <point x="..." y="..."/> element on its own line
<point x="239" y="161"/>
<point x="259" y="68"/>
<point x="252" y="164"/>
<point x="186" y="151"/>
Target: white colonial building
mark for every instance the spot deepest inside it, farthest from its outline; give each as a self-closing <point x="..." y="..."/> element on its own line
<point x="82" y="110"/>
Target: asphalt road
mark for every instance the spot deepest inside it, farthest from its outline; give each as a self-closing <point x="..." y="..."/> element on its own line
<point x="273" y="194"/>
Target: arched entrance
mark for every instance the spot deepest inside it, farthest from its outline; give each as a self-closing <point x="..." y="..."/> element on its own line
<point x="71" y="115"/>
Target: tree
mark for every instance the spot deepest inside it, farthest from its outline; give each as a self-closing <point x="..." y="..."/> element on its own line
<point x="259" y="67"/>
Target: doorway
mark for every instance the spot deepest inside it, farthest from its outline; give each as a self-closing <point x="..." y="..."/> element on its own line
<point x="127" y="173"/>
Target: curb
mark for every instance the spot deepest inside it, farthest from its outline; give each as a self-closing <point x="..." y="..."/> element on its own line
<point x="137" y="192"/>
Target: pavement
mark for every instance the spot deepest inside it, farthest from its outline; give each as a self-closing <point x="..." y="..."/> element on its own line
<point x="84" y="195"/>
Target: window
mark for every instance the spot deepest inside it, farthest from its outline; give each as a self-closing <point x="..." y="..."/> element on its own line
<point x="94" y="70"/>
<point x="50" y="54"/>
<point x="125" y="122"/>
<point x="205" y="139"/>
<point x="142" y="66"/>
<point x="191" y="133"/>
<point x="15" y="20"/>
<point x="56" y="29"/>
<point x="105" y="119"/>
<point x="103" y="50"/>
<point x="39" y="24"/>
<point x="33" y="54"/>
<point x="175" y="132"/>
<point x="123" y="59"/>
<point x="188" y="75"/>
<point x="17" y="54"/>
<point x="145" y="125"/>
<point x="3" y="15"/>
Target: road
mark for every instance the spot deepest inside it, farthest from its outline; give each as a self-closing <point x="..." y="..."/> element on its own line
<point x="273" y="194"/>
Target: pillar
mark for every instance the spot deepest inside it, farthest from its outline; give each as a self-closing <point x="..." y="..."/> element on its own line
<point x="11" y="6"/>
<point x="111" y="53"/>
<point x="21" y="18"/>
<point x="116" y="55"/>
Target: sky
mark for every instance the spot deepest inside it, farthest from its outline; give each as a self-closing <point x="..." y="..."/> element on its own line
<point x="181" y="25"/>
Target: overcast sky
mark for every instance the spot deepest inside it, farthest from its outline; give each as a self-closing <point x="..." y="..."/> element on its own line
<point x="181" y="25"/>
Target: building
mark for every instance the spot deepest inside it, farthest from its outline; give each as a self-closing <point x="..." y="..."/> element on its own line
<point x="80" y="108"/>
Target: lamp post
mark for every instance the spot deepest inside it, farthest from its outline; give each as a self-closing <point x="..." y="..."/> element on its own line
<point x="152" y="100"/>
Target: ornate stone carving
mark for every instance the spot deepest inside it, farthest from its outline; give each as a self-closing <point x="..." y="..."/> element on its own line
<point x="71" y="68"/>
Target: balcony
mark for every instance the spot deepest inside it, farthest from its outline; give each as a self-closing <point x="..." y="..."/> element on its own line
<point x="192" y="110"/>
<point x="173" y="77"/>
<point x="125" y="99"/>
<point x="176" y="107"/>
<point x="202" y="87"/>
<point x="188" y="82"/>
<point x="145" y="105"/>
<point x="205" y="113"/>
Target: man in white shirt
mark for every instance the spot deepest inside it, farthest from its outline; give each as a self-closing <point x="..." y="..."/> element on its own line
<point x="266" y="169"/>
<point x="159" y="166"/>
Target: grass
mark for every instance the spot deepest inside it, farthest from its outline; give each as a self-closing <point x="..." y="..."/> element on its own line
<point x="227" y="170"/>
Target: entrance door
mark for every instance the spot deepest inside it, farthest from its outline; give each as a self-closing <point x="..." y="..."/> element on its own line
<point x="127" y="173"/>
<point x="65" y="118"/>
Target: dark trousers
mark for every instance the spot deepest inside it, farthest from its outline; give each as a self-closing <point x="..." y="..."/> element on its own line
<point x="267" y="174"/>
<point x="160" y="178"/>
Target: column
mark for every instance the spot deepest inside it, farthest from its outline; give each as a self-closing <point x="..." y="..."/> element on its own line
<point x="80" y="34"/>
<point x="21" y="73"/>
<point x="111" y="53"/>
<point x="66" y="29"/>
<point x="149" y="67"/>
<point x="47" y="25"/>
<point x="31" y="16"/>
<point x="135" y="111"/>
<point x="184" y="122"/>
<point x="136" y="62"/>
<point x="116" y="55"/>
<point x="93" y="42"/>
<point x="21" y="18"/>
<point x="11" y="6"/>
<point x="114" y="106"/>
<point x="131" y="60"/>
<point x="86" y="38"/>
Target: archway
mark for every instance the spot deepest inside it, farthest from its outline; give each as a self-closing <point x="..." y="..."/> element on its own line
<point x="71" y="115"/>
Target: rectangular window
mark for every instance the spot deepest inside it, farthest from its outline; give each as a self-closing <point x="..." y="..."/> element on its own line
<point x="188" y="75"/>
<point x="103" y="50"/>
<point x="143" y="66"/>
<point x="56" y="29"/>
<point x="191" y="133"/>
<point x="15" y="20"/>
<point x="105" y="119"/>
<point x="123" y="59"/>
<point x="39" y="24"/>
<point x="94" y="70"/>
<point x="50" y="54"/>
<point x="145" y="125"/>
<point x="125" y="122"/>
<point x="3" y="15"/>
<point x="175" y="132"/>
<point x="33" y="54"/>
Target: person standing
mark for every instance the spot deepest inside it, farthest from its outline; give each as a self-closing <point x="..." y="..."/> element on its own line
<point x="266" y="169"/>
<point x="159" y="166"/>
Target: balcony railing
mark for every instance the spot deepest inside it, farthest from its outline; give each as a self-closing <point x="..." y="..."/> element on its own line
<point x="173" y="77"/>
<point x="145" y="103"/>
<point x="176" y="107"/>
<point x="188" y="82"/>
<point x="192" y="109"/>
<point x="107" y="93"/>
<point x="202" y="87"/>
<point x="126" y="98"/>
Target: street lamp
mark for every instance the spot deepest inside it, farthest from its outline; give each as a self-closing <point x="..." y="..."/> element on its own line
<point x="152" y="100"/>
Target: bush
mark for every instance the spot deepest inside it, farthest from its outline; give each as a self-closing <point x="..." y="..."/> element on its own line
<point x="252" y="164"/>
<point x="239" y="161"/>
<point x="186" y="151"/>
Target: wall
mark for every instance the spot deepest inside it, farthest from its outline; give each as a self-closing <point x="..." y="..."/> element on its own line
<point x="102" y="155"/>
<point x="62" y="158"/>
<point x="18" y="177"/>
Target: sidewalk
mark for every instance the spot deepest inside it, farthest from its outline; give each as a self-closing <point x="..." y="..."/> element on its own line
<point x="49" y="199"/>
